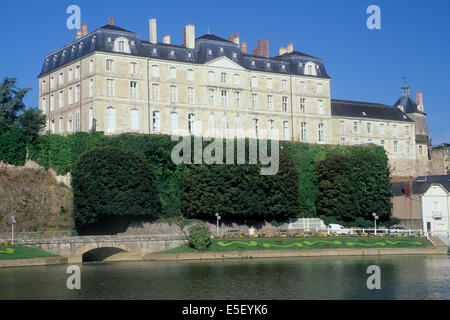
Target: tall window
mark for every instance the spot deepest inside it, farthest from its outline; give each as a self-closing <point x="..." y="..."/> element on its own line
<point x="133" y="67"/>
<point x="342" y="141"/>
<point x="321" y="136"/>
<point x="320" y="107"/>
<point x="355" y="141"/>
<point x="394" y="130"/>
<point x="190" y="75"/>
<point x="382" y="143"/>
<point x="237" y="79"/>
<point x="255" y="127"/>
<point x="70" y="96"/>
<point x="212" y="97"/>
<point x="407" y="131"/>
<point x="408" y="147"/>
<point x="155" y="92"/>
<point x="61" y="125"/>
<point x="223" y="77"/>
<point x="284" y="104"/>
<point x="77" y="93"/>
<point x="303" y="131"/>
<point x="355" y="127"/>
<point x="369" y="127"/>
<point x="61" y="79"/>
<point x="211" y="77"/>
<point x="156" y="122"/>
<point x="134" y="120"/>
<point x="110" y="87"/>
<point x="77" y="72"/>
<point x="319" y="88"/>
<point x="44" y="105"/>
<point x="286" y="130"/>
<point x="382" y="129"/>
<point x="191" y="95"/>
<point x="70" y="123"/>
<point x="91" y="66"/>
<point x="237" y="99"/>
<point x="302" y="105"/>
<point x="395" y="146"/>
<point x="173" y="94"/>
<point x="61" y="99"/>
<point x="70" y="74"/>
<point x="224" y="98"/>
<point x="173" y="123"/>
<point x="77" y="121"/>
<point x="254" y="100"/>
<point x="254" y="82"/>
<point x="269" y="83"/>
<point x="91" y="117"/>
<point x="212" y="124"/>
<point x="270" y="129"/>
<point x="121" y="46"/>
<point x="110" y="120"/>
<point x="52" y="102"/>
<point x="342" y="125"/>
<point x="155" y="71"/>
<point x="52" y="82"/>
<point x="270" y="102"/>
<point x="133" y="89"/>
<point x="191" y="123"/>
<point x="173" y="73"/>
<point x="284" y="84"/>
<point x="91" y="88"/>
<point x="302" y="87"/>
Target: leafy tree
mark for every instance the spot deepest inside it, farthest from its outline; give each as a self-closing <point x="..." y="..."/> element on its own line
<point x="110" y="183"/>
<point x="11" y="103"/>
<point x="13" y="147"/>
<point x="32" y="122"/>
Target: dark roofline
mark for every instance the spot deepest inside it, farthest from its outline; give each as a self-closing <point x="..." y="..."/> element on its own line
<point x="369" y="104"/>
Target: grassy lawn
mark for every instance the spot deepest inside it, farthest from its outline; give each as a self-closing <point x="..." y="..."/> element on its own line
<point x="22" y="252"/>
<point x="306" y="243"/>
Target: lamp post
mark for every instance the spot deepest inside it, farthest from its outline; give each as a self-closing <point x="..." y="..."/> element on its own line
<point x="218" y="218"/>
<point x="375" y="218"/>
<point x="13" y="220"/>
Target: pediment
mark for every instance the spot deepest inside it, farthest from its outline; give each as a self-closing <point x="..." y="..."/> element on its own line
<point x="224" y="62"/>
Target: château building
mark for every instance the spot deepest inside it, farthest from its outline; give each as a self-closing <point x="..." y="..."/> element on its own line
<point x="113" y="81"/>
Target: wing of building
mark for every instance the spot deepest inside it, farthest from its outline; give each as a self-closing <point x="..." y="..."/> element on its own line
<point x="113" y="81"/>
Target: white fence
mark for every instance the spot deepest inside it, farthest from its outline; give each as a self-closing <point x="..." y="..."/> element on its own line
<point x="377" y="231"/>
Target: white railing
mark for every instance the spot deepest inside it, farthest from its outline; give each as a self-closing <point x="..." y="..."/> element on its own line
<point x="376" y="231"/>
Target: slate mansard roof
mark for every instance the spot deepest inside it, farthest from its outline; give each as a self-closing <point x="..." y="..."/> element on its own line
<point x="366" y="110"/>
<point x="207" y="47"/>
<point x="421" y="184"/>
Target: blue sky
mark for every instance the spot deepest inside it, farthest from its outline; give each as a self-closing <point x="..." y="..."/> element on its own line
<point x="365" y="65"/>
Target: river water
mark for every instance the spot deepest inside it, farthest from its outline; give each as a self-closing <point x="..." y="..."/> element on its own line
<point x="402" y="277"/>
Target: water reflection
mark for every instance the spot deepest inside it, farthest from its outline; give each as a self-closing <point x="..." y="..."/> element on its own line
<point x="402" y="277"/>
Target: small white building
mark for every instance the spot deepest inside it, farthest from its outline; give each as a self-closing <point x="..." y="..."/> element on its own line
<point x="434" y="192"/>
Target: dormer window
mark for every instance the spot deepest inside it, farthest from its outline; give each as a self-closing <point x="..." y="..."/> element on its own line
<point x="132" y="42"/>
<point x="209" y="51"/>
<point x="55" y="57"/>
<point x="189" y="55"/>
<point x="122" y="45"/>
<point x="253" y="63"/>
<point x="310" y="69"/>
<point x="109" y="39"/>
<point x="234" y="55"/>
<point x="64" y="53"/>
<point x="283" y="67"/>
<point x="172" y="53"/>
<point x="221" y="49"/>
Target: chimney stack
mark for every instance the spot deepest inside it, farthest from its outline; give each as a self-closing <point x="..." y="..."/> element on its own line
<point x="166" y="39"/>
<point x="79" y="33"/>
<point x="236" y="38"/>
<point x="111" y="21"/>
<point x="189" y="36"/>
<point x="419" y="96"/>
<point x="230" y="38"/>
<point x="290" y="48"/>
<point x="244" y="47"/>
<point x="260" y="48"/>
<point x="153" y="34"/>
<point x="84" y="29"/>
<point x="282" y="51"/>
<point x="266" y="48"/>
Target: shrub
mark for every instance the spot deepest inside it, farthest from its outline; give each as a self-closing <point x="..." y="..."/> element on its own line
<point x="109" y="182"/>
<point x="199" y="237"/>
<point x="13" y="146"/>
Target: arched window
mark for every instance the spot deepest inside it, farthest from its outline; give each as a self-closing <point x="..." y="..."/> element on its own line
<point x="173" y="123"/>
<point x="156" y="122"/>
<point x="134" y="118"/>
<point x="191" y="123"/>
<point x="110" y="120"/>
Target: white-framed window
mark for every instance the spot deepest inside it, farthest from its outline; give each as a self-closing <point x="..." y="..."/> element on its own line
<point x="43" y="88"/>
<point x="437" y="209"/>
<point x="270" y="102"/>
<point x="302" y="87"/>
<point x="91" y="66"/>
<point x="155" y="71"/>
<point x="133" y="89"/>
<point x="254" y="82"/>
<point x="320" y="109"/>
<point x="270" y="129"/>
<point x="77" y="121"/>
<point x="225" y="127"/>
<point x="212" y="124"/>
<point x="237" y="99"/>
<point x="286" y="130"/>
<point x="224" y="98"/>
<point x="284" y="84"/>
<point x="77" y="93"/>
<point x="190" y="75"/>
<point x="342" y="125"/>
<point x="77" y="72"/>
<point x="303" y="105"/>
<point x="395" y="146"/>
<point x="394" y="130"/>
<point x="173" y="73"/>
<point x="61" y="99"/>
<point x="91" y="88"/>
<point x="342" y="142"/>
<point x="254" y="101"/>
<point x="255" y="127"/>
<point x="133" y="67"/>
<point x="70" y="96"/>
<point x="369" y="127"/>
<point x="52" y="83"/>
<point x="212" y="97"/>
<point x="381" y="128"/>
<point x="284" y="104"/>
<point x="355" y="127"/>
<point x="70" y="74"/>
<point x="369" y="141"/>
<point x="321" y="133"/>
<point x="211" y="76"/>
<point x="237" y="79"/>
<point x="355" y="141"/>
<point x="191" y="123"/>
<point x="155" y="92"/>
<point x="52" y="102"/>
<point x="61" y="79"/>
<point x="303" y="131"/>
<point x="121" y="46"/>
<point x="269" y="83"/>
<point x="319" y="88"/>
<point x="110" y="120"/>
<point x="44" y="104"/>
<point x="173" y="122"/>
<point x="407" y="131"/>
<point x="191" y="95"/>
<point x="70" y="123"/>
<point x="91" y="117"/>
<point x="408" y="147"/>
<point x="420" y="150"/>
<point x="223" y="77"/>
<point x="110" y="88"/>
<point x="383" y="144"/>
<point x="156" y="121"/>
<point x="173" y="94"/>
<point x="61" y="125"/>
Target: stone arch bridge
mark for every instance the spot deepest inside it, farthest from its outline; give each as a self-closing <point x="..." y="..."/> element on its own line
<point x="98" y="248"/>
